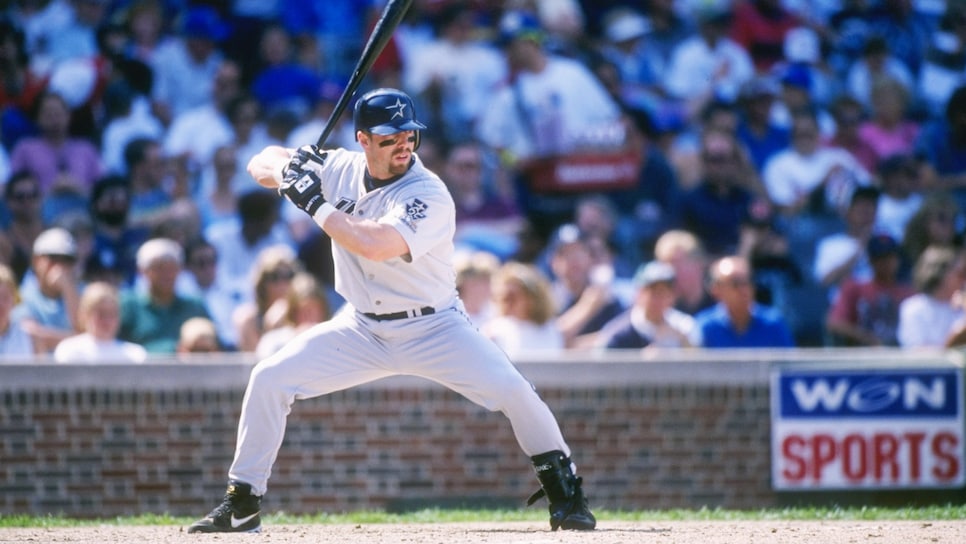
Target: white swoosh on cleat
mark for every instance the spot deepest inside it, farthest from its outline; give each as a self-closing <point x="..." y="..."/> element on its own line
<point x="236" y="522"/>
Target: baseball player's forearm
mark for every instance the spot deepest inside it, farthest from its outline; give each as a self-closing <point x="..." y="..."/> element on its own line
<point x="364" y="237"/>
<point x="266" y="166"/>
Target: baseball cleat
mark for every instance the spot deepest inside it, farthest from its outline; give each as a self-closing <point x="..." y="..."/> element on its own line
<point x="237" y="513"/>
<point x="572" y="514"/>
<point x="568" y="506"/>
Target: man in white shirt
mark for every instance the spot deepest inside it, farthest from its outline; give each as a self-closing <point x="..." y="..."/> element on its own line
<point x="809" y="178"/>
<point x="709" y="64"/>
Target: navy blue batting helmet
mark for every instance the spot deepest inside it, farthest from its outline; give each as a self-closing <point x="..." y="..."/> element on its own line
<point x="385" y="112"/>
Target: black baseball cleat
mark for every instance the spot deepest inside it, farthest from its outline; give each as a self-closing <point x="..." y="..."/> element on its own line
<point x="237" y="513"/>
<point x="568" y="506"/>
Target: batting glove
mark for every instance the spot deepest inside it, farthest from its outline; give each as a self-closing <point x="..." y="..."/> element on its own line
<point x="301" y="185"/>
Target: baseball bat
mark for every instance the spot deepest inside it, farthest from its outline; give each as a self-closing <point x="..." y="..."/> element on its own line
<point x="390" y="18"/>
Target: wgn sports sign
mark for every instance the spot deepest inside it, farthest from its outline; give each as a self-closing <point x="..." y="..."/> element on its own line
<point x="868" y="429"/>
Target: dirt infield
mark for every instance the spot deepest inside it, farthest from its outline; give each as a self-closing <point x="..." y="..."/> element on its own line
<point x="662" y="532"/>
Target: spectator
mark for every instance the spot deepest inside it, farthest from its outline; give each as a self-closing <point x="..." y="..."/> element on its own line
<point x="198" y="335"/>
<point x="597" y="220"/>
<point x="281" y="83"/>
<point x="274" y="269"/>
<point x="901" y="195"/>
<point x="20" y="84"/>
<point x="807" y="178"/>
<point x="80" y="225"/>
<point x="129" y="118"/>
<point x="145" y="23"/>
<point x="933" y="224"/>
<point x="761" y="27"/>
<point x="638" y="66"/>
<point x="474" y="273"/>
<point x="250" y="134"/>
<point x="195" y="134"/>
<point x="583" y="304"/>
<point x="486" y="217"/>
<point x="65" y="167"/>
<point x="48" y="308"/>
<point x="21" y="198"/>
<point x="114" y="255"/>
<point x="927" y="318"/>
<point x="797" y="96"/>
<point x="876" y="63"/>
<point x="524" y="320"/>
<point x="546" y="110"/>
<point x="866" y="313"/>
<point x="709" y="65"/>
<point x="146" y="171"/>
<point x="306" y="306"/>
<point x="889" y="130"/>
<point x="651" y="321"/>
<point x="764" y="242"/>
<point x="842" y="255"/>
<point x="945" y="58"/>
<point x="669" y="26"/>
<point x="99" y="316"/>
<point x="201" y="262"/>
<point x="756" y="130"/>
<point x="737" y="321"/>
<point x="942" y="145"/>
<point x="181" y="222"/>
<point x="76" y="38"/>
<point x="153" y="317"/>
<point x="328" y="93"/>
<point x="652" y="205"/>
<point x="682" y="250"/>
<point x="849" y="115"/>
<point x="185" y="66"/>
<point x="454" y="73"/>
<point x="14" y="339"/>
<point x="239" y="242"/>
<point x="803" y="55"/>
<point x="218" y="201"/>
<point x="715" y="209"/>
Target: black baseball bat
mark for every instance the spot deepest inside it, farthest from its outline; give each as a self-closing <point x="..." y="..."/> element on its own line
<point x="392" y="14"/>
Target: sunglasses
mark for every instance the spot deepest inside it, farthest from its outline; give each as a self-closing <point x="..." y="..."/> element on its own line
<point x="280" y="275"/>
<point x="24" y="195"/>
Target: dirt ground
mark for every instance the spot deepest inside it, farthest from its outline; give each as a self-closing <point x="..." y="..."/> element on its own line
<point x="660" y="532"/>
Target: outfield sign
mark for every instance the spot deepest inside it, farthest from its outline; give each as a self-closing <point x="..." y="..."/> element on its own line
<point x="867" y="429"/>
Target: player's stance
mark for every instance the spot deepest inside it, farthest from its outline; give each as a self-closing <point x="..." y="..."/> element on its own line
<point x="392" y="221"/>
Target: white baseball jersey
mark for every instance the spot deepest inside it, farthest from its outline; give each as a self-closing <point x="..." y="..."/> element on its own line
<point x="352" y="348"/>
<point x="420" y="207"/>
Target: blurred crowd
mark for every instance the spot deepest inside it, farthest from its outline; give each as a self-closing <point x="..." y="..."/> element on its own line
<point x="627" y="174"/>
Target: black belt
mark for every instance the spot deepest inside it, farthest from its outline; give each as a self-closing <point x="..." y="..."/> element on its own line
<point x="425" y="310"/>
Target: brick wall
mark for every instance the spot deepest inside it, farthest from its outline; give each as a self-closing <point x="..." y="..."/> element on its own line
<point x="682" y="432"/>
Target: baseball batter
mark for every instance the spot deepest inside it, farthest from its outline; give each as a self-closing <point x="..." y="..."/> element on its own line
<point x="392" y="223"/>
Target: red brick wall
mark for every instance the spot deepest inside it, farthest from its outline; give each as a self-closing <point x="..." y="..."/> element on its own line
<point x="105" y="441"/>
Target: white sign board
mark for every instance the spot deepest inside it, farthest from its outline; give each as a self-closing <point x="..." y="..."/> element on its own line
<point x="867" y="429"/>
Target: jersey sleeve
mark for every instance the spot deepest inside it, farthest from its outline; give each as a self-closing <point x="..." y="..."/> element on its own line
<point x="424" y="218"/>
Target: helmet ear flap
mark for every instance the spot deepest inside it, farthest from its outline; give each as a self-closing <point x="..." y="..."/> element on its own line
<point x="417" y="141"/>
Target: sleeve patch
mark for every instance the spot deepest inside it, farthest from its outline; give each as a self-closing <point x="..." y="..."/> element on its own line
<point x="415" y="212"/>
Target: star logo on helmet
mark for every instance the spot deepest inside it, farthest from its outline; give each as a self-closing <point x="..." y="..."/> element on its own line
<point x="399" y="106"/>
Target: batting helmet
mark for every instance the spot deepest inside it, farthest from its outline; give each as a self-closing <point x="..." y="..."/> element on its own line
<point x="384" y="112"/>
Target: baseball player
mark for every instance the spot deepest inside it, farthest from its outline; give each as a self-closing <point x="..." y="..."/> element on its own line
<point x="392" y="223"/>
